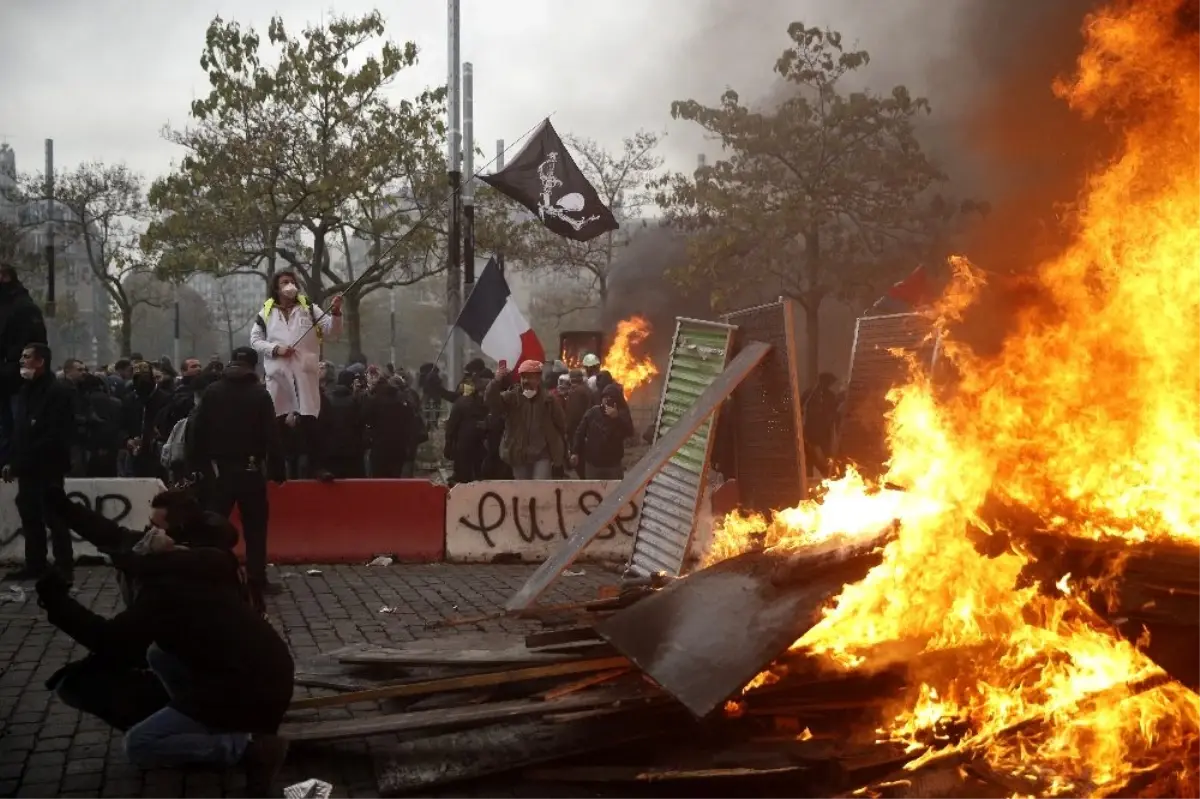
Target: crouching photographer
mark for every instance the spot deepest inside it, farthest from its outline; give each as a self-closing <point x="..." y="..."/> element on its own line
<point x="224" y="676"/>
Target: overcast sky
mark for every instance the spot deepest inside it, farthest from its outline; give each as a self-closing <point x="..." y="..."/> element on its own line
<point x="101" y="77"/>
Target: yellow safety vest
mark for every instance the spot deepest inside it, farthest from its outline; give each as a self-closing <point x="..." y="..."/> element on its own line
<point x="304" y="303"/>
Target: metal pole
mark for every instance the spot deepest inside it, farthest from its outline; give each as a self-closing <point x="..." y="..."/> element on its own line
<point x="454" y="166"/>
<point x="468" y="189"/>
<point x="499" y="166"/>
<point x="392" y="347"/>
<point x="48" y="311"/>
<point x="175" y="350"/>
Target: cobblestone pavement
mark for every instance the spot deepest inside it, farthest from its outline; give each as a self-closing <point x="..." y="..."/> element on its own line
<point x="47" y="749"/>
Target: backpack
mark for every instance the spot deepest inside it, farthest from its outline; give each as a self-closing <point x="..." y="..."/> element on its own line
<point x="173" y="450"/>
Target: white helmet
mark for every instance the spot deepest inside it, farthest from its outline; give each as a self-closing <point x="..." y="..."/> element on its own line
<point x="591" y="360"/>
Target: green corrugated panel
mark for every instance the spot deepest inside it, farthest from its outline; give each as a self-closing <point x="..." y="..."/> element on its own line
<point x="699" y="354"/>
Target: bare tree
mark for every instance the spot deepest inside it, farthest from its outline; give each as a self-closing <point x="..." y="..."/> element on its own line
<point x="104" y="207"/>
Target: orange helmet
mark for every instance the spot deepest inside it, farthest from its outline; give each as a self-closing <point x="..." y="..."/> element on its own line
<point x="529" y="367"/>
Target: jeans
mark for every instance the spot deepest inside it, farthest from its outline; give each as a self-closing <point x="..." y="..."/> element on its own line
<point x="538" y="470"/>
<point x="169" y="739"/>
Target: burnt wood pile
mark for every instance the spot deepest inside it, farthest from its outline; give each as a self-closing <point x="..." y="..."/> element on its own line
<point x="641" y="691"/>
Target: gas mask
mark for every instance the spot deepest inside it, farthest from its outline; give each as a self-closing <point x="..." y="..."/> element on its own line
<point x="289" y="290"/>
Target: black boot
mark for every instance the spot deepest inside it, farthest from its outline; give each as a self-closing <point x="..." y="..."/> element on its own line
<point x="263" y="761"/>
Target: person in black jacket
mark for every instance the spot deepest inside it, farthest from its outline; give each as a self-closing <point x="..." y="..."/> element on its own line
<point x="141" y="408"/>
<point x="600" y="437"/>
<point x="41" y="458"/>
<point x="233" y="445"/>
<point x="393" y="427"/>
<point x="342" y="429"/>
<point x="227" y="674"/>
<point x="21" y="323"/>
<point x="466" y="432"/>
<point x="118" y="687"/>
<point x="102" y="428"/>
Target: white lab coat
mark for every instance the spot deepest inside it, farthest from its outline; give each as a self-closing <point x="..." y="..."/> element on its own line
<point x="295" y="382"/>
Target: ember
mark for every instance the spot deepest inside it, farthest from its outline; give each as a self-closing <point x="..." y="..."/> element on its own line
<point x="1085" y="422"/>
<point x="622" y="362"/>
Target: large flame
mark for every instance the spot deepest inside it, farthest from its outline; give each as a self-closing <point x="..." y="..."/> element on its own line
<point x="626" y="368"/>
<point x="1087" y="420"/>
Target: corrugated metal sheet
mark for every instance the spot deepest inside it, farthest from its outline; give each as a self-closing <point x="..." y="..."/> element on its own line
<point x="874" y="371"/>
<point x="698" y="356"/>
<point x="768" y="434"/>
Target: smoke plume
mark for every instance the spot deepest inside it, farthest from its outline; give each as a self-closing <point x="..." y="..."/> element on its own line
<point x="996" y="129"/>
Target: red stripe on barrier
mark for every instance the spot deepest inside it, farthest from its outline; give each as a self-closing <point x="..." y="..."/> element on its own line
<point x="354" y="520"/>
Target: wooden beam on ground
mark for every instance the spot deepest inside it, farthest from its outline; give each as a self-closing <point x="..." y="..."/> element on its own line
<point x="418" y="764"/>
<point x="586" y="682"/>
<point x="509" y="656"/>
<point x="641" y="474"/>
<point x="450" y="717"/>
<point x="426" y="687"/>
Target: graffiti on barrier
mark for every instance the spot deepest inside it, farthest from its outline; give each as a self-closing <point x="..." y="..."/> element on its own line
<point x="125" y="501"/>
<point x="529" y="518"/>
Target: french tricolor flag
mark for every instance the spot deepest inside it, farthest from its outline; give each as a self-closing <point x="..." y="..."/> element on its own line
<point x="492" y="320"/>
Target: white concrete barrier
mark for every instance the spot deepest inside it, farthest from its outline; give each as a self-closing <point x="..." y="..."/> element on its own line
<point x="529" y="519"/>
<point x="124" y="500"/>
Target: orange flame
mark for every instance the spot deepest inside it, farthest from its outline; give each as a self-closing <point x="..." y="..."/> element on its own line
<point x="1087" y="419"/>
<point x="625" y="367"/>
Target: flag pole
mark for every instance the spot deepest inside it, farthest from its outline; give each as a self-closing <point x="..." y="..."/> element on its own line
<point x="454" y="173"/>
<point x="435" y="208"/>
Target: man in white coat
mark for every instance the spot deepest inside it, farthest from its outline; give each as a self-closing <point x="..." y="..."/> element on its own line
<point x="291" y="356"/>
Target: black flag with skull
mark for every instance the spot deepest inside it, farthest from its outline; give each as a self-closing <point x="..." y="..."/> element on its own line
<point x="544" y="178"/>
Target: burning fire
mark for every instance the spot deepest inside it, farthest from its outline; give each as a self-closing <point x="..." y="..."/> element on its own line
<point x="1087" y="420"/>
<point x="621" y="362"/>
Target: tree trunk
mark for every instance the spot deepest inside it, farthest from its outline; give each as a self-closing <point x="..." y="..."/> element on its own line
<point x="812" y="335"/>
<point x="352" y="321"/>
<point x="126" y="332"/>
<point x="812" y="302"/>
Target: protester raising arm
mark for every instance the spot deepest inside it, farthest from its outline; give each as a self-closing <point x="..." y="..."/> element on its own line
<point x="95" y="528"/>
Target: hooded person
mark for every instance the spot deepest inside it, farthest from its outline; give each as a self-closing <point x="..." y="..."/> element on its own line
<point x="288" y="335"/>
<point x="227" y="674"/>
<point x="141" y="408"/>
<point x="466" y="432"/>
<point x="343" y="429"/>
<point x="600" y="438"/>
<point x="116" y="685"/>
<point x="535" y="427"/>
<point x="233" y="447"/>
<point x="21" y="323"/>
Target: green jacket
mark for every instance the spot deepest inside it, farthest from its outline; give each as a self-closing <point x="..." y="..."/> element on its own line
<point x="520" y="415"/>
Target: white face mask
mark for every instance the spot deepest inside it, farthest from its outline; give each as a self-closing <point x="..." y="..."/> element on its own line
<point x="26" y="373"/>
<point x="529" y="393"/>
<point x="290" y="290"/>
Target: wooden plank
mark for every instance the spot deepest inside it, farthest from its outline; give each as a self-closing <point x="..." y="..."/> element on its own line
<point x="649" y="773"/>
<point x="641" y="474"/>
<point x="586" y="682"/>
<point x="419" y="764"/>
<point x="450" y="717"/>
<point x="426" y="687"/>
<point x="571" y="635"/>
<point x="464" y="657"/>
<point x="793" y="353"/>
